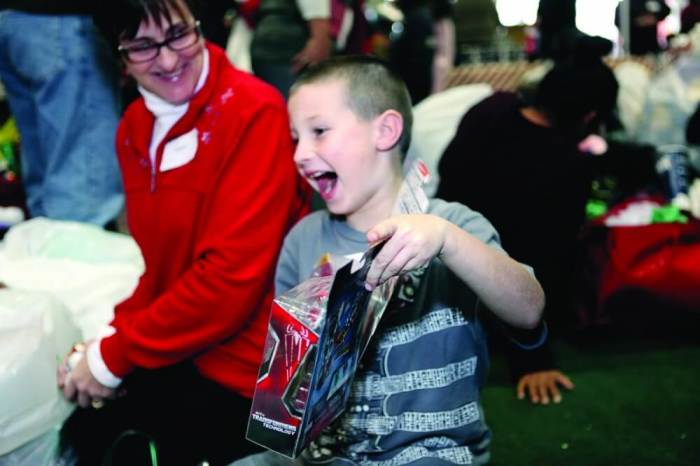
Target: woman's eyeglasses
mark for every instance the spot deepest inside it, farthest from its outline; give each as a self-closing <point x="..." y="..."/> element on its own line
<point x="146" y="50"/>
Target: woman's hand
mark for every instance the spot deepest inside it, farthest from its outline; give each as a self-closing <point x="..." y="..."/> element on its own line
<point x="77" y="382"/>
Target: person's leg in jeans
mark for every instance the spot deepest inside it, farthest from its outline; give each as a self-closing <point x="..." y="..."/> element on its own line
<point x="20" y="97"/>
<point x="62" y="89"/>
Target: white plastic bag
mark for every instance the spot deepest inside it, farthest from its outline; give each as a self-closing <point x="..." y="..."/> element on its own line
<point x="87" y="269"/>
<point x="634" y="79"/>
<point x="36" y="332"/>
<point x="42" y="451"/>
<point x="75" y="241"/>
<point x="671" y="98"/>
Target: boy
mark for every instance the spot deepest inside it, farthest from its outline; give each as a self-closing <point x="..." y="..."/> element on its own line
<point x="415" y="395"/>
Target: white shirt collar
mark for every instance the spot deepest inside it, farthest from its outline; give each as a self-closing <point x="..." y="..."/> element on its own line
<point x="167" y="114"/>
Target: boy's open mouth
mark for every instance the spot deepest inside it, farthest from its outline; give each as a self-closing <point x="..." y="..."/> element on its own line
<point x="325" y="182"/>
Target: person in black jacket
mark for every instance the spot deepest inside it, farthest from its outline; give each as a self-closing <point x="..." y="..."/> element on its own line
<point x="556" y="24"/>
<point x="644" y="19"/>
<point x="428" y="33"/>
<point x="518" y="163"/>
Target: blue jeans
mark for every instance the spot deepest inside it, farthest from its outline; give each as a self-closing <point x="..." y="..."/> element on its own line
<point x="62" y="88"/>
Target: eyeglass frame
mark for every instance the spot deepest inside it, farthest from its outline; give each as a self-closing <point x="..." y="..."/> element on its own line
<point x="196" y="28"/>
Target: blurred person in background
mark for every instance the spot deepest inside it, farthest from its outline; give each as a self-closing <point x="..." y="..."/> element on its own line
<point x="445" y="44"/>
<point x="287" y="36"/>
<point x="690" y="15"/>
<point x="476" y="25"/>
<point x="644" y="19"/>
<point x="62" y="88"/>
<point x="556" y="25"/>
<point x="518" y="162"/>
<point x="424" y="52"/>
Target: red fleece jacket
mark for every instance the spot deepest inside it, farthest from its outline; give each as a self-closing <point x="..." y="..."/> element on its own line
<point x="209" y="230"/>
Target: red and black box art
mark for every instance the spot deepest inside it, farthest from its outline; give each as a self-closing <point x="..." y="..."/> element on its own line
<point x="316" y="336"/>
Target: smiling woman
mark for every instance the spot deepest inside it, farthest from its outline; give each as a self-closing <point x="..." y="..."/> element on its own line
<point x="211" y="189"/>
<point x="165" y="56"/>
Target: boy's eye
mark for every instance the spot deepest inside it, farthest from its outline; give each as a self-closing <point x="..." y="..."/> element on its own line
<point x="319" y="131"/>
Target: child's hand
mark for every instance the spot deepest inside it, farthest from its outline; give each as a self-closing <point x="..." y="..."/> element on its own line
<point x="543" y="386"/>
<point x="413" y="240"/>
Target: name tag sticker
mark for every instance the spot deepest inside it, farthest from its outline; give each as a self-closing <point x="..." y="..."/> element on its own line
<point x="179" y="151"/>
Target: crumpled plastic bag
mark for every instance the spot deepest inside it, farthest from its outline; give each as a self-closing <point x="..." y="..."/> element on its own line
<point x="40" y="451"/>
<point x="672" y="96"/>
<point x="87" y="269"/>
<point x="634" y="79"/>
<point x="80" y="242"/>
<point x="36" y="332"/>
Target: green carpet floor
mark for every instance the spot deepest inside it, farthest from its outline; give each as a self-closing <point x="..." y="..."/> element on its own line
<point x="636" y="403"/>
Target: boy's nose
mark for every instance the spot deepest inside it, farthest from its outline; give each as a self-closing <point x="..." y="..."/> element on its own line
<point x="302" y="153"/>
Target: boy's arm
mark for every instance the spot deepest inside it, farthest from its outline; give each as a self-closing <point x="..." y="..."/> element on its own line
<point x="504" y="285"/>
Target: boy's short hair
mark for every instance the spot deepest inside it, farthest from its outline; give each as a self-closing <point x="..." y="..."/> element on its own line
<point x="372" y="88"/>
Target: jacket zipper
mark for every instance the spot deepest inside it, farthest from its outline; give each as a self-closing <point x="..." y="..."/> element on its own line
<point x="153" y="178"/>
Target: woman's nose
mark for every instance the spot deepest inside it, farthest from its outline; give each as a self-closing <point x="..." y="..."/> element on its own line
<point x="167" y="59"/>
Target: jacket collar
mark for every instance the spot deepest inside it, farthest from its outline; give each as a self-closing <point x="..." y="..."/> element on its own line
<point x="141" y="128"/>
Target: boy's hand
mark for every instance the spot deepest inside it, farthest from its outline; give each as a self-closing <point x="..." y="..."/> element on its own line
<point x="543" y="386"/>
<point x="413" y="240"/>
<point x="507" y="288"/>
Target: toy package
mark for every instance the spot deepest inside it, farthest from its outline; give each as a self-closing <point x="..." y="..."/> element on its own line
<point x="317" y="334"/>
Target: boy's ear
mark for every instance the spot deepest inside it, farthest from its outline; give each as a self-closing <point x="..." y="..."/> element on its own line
<point x="388" y="128"/>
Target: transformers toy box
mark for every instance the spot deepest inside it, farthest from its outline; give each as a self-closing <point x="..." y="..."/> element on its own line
<point x="316" y="336"/>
